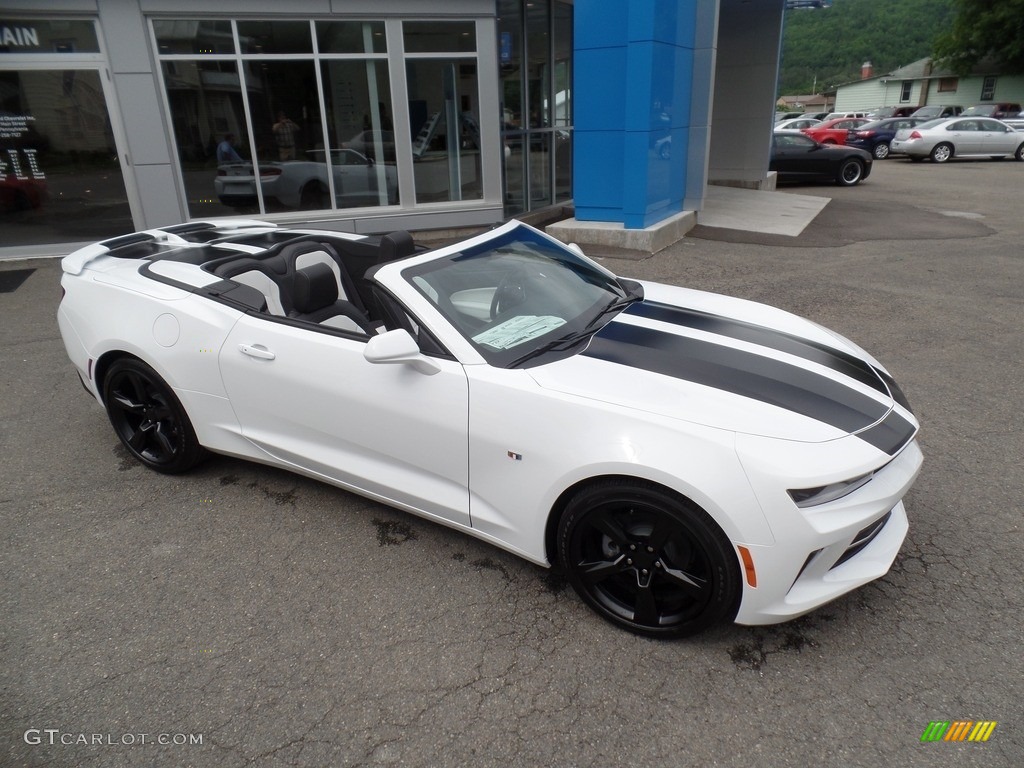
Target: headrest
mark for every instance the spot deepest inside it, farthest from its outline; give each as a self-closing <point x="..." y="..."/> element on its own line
<point x="314" y="288"/>
<point x="396" y="246"/>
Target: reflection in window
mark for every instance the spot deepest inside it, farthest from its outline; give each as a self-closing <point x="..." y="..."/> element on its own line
<point x="351" y="37"/>
<point x="193" y="36"/>
<point x="510" y="23"/>
<point x="60" y="179"/>
<point x="439" y="36"/>
<point x="538" y="43"/>
<point x="49" y="36"/>
<point x="444" y="118"/>
<point x="286" y="126"/>
<point x="274" y="37"/>
<point x="535" y="63"/>
<point x="208" y="120"/>
<point x="357" y="97"/>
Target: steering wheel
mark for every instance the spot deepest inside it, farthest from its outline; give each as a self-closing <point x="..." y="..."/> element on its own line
<point x="510" y="292"/>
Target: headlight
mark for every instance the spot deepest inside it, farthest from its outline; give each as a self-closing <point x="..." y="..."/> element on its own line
<point x="812" y="497"/>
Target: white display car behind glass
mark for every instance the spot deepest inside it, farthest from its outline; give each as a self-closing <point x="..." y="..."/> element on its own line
<point x="684" y="457"/>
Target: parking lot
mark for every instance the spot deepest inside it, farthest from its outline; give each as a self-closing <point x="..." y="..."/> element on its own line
<point x="240" y="615"/>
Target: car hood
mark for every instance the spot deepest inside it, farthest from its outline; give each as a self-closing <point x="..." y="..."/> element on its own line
<point x="737" y="365"/>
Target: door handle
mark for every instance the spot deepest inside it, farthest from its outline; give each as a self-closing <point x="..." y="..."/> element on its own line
<point x="257" y="351"/>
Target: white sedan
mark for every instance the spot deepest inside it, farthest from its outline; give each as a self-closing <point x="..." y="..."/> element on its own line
<point x="303" y="184"/>
<point x="685" y="457"/>
<point x="948" y="137"/>
<point x="796" y="124"/>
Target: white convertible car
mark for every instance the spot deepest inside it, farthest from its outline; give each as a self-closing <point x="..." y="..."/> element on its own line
<point x="684" y="457"/>
<point x="302" y="184"/>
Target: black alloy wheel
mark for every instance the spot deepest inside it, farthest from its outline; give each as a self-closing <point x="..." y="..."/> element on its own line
<point x="648" y="560"/>
<point x="149" y="419"/>
<point x="850" y="173"/>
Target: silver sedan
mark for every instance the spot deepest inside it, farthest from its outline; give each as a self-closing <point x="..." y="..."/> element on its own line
<point x="950" y="137"/>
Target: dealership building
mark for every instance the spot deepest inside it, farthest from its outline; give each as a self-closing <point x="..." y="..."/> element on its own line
<point x="117" y="115"/>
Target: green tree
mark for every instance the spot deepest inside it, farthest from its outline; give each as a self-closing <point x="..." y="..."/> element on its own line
<point x="825" y="47"/>
<point x="981" y="29"/>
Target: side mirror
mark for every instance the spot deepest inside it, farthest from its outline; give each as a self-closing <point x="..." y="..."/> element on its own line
<point x="399" y="347"/>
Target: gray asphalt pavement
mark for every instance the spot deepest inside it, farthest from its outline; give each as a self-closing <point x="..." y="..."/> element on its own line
<point x="247" y="616"/>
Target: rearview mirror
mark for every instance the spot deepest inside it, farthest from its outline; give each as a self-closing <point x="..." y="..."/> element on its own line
<point x="399" y="347"/>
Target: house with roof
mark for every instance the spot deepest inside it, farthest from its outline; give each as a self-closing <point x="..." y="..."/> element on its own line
<point x="923" y="83"/>
<point x="811" y="102"/>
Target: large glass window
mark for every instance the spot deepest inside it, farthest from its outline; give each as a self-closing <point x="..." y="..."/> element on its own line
<point x="357" y="96"/>
<point x="351" y="37"/>
<point x="48" y="36"/>
<point x="60" y="179"/>
<point x="284" y="115"/>
<point x="211" y="134"/>
<point x="279" y="125"/>
<point x="444" y="112"/>
<point x="206" y="37"/>
<point x="535" y="64"/>
<point x="274" y="37"/>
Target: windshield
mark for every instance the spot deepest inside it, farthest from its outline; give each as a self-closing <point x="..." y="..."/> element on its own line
<point x="522" y="297"/>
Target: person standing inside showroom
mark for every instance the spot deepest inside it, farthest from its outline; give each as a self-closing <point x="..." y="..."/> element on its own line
<point x="284" y="135"/>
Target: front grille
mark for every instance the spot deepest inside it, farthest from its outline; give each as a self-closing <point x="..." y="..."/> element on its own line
<point x="864" y="537"/>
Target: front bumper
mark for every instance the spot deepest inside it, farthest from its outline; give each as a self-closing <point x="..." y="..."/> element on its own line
<point x="821" y="553"/>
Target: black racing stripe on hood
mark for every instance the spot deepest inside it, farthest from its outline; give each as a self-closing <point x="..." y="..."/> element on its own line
<point x="837" y="360"/>
<point x="890" y="434"/>
<point x="741" y="373"/>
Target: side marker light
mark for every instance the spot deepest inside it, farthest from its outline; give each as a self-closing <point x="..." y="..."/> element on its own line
<point x="748" y="566"/>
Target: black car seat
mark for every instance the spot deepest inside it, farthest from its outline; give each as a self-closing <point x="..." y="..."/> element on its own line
<point x="315" y="300"/>
<point x="306" y="253"/>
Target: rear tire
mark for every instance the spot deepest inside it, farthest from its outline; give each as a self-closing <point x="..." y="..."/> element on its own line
<point x="881" y="151"/>
<point x="149" y="419"/>
<point x="942" y="152"/>
<point x="1019" y="154"/>
<point x="314" y="197"/>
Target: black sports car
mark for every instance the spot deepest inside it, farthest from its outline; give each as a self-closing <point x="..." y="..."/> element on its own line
<point x="796" y="157"/>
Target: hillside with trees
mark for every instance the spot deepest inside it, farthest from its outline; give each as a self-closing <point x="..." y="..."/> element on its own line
<point x="822" y="48"/>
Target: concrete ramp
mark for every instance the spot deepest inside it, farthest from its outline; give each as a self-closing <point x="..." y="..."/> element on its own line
<point x="749" y="210"/>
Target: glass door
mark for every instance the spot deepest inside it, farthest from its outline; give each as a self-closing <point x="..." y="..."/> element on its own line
<point x="60" y="175"/>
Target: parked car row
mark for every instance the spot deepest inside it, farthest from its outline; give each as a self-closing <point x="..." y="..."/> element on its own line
<point x="1000" y="110"/>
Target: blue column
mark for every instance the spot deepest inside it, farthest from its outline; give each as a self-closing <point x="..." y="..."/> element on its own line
<point x="633" y="77"/>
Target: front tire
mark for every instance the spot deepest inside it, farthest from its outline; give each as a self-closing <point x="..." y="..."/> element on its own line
<point x="149" y="419"/>
<point x="881" y="150"/>
<point x="850" y="173"/>
<point x="1019" y="154"/>
<point x="942" y="153"/>
<point x="648" y="560"/>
